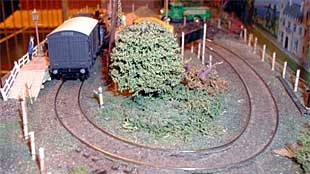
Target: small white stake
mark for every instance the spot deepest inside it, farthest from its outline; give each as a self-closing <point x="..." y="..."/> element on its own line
<point x="250" y="39"/>
<point x="192" y="48"/>
<point x="210" y="60"/>
<point x="284" y="70"/>
<point x="296" y="80"/>
<point x="204" y="42"/>
<point x="241" y="32"/>
<point x="24" y="119"/>
<point x="184" y="21"/>
<point x="100" y="95"/>
<point x="41" y="158"/>
<point x="264" y="52"/>
<point x="255" y="45"/>
<point x="219" y="23"/>
<point x="32" y="145"/>
<point x="182" y="49"/>
<point x="199" y="50"/>
<point x="29" y="92"/>
<point x="273" y="61"/>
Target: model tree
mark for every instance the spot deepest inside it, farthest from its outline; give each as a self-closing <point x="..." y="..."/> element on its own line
<point x="146" y="59"/>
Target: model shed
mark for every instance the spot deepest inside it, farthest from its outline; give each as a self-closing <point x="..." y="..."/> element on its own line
<point x="72" y="47"/>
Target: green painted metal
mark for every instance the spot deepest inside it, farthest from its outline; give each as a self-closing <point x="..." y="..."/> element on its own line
<point x="177" y="11"/>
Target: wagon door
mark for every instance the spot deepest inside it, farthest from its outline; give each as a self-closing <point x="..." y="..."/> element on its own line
<point x="58" y="51"/>
<point x="79" y="52"/>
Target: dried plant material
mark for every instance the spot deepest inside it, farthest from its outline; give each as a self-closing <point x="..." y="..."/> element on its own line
<point x="285" y="152"/>
<point x="205" y="78"/>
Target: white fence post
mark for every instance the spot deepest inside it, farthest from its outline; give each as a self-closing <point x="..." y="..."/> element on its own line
<point x="250" y="39"/>
<point x="284" y="70"/>
<point x="24" y="119"/>
<point x="100" y="95"/>
<point x="28" y="87"/>
<point x="296" y="80"/>
<point x="273" y="61"/>
<point x="32" y="145"/>
<point x="241" y="32"/>
<point x="199" y="50"/>
<point x="17" y="66"/>
<point x="192" y="48"/>
<point x="204" y="42"/>
<point x="41" y="159"/>
<point x="255" y="45"/>
<point x="4" y="96"/>
<point x="182" y="49"/>
<point x="210" y="60"/>
<point x="219" y="23"/>
<point x="264" y="52"/>
<point x="184" y="20"/>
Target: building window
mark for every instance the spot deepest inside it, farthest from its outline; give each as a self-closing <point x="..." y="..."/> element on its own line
<point x="283" y="22"/>
<point x="295" y="26"/>
<point x="300" y="31"/>
<point x="296" y="45"/>
<point x="282" y="35"/>
<point x="289" y="25"/>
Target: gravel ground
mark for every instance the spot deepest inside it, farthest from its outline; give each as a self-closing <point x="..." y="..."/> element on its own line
<point x="231" y="121"/>
<point x="290" y="123"/>
<point x="65" y="155"/>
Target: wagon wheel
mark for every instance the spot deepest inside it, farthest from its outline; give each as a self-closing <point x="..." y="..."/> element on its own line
<point x="197" y="19"/>
<point x="166" y="19"/>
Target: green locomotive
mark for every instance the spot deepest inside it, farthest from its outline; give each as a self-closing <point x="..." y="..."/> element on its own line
<point x="177" y="11"/>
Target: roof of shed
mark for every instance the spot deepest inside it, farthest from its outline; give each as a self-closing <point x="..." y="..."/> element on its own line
<point x="84" y="25"/>
<point x="293" y="11"/>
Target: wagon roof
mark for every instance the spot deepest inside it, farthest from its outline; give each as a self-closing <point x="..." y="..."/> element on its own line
<point x="84" y="25"/>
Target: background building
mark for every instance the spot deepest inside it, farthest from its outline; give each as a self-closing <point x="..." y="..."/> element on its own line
<point x="291" y="33"/>
<point x="306" y="21"/>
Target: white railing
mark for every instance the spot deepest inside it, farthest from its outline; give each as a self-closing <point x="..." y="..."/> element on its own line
<point x="297" y="84"/>
<point x="13" y="73"/>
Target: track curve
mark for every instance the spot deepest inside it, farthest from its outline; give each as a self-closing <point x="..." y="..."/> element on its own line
<point x="209" y="150"/>
<point x="264" y="115"/>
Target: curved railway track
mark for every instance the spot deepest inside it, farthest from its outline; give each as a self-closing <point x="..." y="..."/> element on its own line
<point x="208" y="150"/>
<point x="256" y="136"/>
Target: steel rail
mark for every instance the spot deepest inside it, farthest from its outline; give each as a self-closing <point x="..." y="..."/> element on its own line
<point x="213" y="148"/>
<point x="202" y="169"/>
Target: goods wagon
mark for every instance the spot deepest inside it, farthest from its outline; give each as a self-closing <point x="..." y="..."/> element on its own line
<point x="73" y="47"/>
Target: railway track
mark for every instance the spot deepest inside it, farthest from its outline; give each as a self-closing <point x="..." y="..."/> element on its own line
<point x="255" y="137"/>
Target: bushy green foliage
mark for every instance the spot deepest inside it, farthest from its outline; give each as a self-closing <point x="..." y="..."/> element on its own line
<point x="146" y="59"/>
<point x="303" y="153"/>
<point x="179" y="112"/>
<point x="80" y="170"/>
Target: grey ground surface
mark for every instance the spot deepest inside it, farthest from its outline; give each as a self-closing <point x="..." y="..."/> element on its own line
<point x="65" y="155"/>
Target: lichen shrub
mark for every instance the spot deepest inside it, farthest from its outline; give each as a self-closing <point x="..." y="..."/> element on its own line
<point x="146" y="60"/>
<point x="181" y="113"/>
<point x="303" y="152"/>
